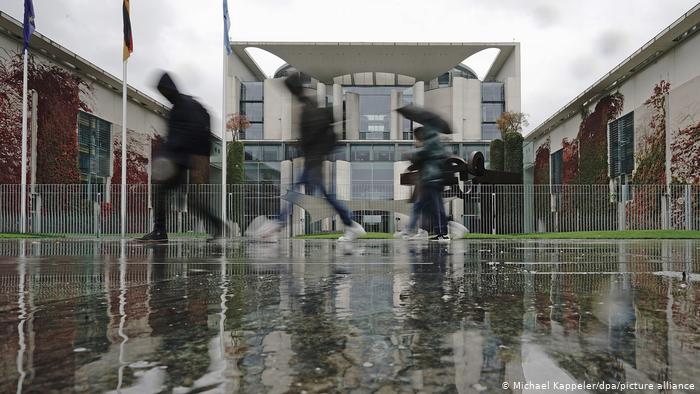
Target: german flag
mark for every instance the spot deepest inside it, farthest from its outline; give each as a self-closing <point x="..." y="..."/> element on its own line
<point x="128" y="39"/>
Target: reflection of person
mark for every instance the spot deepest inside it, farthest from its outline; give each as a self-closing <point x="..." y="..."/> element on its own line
<point x="189" y="137"/>
<point x="317" y="141"/>
<point x="430" y="159"/>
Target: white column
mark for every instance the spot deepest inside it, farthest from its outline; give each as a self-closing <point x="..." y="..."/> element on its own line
<point x="419" y="93"/>
<point x="352" y="115"/>
<point x="321" y="94"/>
<point x="34" y="132"/>
<point x="471" y="117"/>
<point x="338" y="109"/>
<point x="396" y="97"/>
<point x="224" y="145"/>
<point x="23" y="194"/>
<point x="124" y="150"/>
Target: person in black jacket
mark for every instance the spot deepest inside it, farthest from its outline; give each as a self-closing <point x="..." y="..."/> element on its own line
<point x="189" y="135"/>
<point x="317" y="141"/>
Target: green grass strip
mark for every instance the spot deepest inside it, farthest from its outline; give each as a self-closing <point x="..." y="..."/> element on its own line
<point x="628" y="234"/>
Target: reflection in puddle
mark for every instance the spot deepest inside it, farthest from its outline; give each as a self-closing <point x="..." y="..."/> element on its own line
<point x="311" y="316"/>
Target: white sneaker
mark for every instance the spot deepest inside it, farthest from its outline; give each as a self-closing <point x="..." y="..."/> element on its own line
<point x="420" y="235"/>
<point x="352" y="232"/>
<point x="269" y="231"/>
<point x="443" y="239"/>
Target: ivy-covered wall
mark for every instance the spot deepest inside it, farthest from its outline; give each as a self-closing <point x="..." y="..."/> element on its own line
<point x="541" y="176"/>
<point x="650" y="152"/>
<point x="59" y="101"/>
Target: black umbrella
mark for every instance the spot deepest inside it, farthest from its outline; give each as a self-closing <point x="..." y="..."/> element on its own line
<point x="425" y="117"/>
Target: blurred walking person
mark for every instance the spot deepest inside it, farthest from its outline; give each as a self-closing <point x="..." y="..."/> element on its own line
<point x="430" y="158"/>
<point x="318" y="140"/>
<point x="188" y="138"/>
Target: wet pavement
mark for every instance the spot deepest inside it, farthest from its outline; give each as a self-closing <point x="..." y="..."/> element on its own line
<point x="374" y="316"/>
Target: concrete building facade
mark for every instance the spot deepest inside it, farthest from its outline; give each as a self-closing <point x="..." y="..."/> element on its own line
<point x="99" y="113"/>
<point x="651" y="100"/>
<point x="364" y="83"/>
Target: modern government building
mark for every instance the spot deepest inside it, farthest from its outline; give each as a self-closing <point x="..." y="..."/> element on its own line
<point x="364" y="83"/>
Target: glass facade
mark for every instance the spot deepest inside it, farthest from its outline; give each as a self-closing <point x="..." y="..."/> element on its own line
<point x="262" y="163"/>
<point x="375" y="110"/>
<point x="251" y="105"/>
<point x="94" y="147"/>
<point x="492" y="106"/>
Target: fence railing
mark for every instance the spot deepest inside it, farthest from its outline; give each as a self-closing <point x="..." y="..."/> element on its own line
<point x="91" y="210"/>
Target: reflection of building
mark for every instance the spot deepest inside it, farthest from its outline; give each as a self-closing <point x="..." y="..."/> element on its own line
<point x="363" y="84"/>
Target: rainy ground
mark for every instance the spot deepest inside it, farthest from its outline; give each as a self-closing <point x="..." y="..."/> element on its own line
<point x="373" y="316"/>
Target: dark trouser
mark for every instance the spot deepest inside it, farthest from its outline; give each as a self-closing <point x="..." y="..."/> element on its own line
<point x="195" y="202"/>
<point x="313" y="180"/>
<point x="431" y="204"/>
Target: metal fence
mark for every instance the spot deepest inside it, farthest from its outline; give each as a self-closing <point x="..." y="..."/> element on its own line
<point x="91" y="210"/>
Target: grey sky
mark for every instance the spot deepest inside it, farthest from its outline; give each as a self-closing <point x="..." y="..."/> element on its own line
<point x="566" y="44"/>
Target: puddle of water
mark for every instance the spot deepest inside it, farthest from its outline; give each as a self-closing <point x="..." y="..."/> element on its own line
<point x="307" y="316"/>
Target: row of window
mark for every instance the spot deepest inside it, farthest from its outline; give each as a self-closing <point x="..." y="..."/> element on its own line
<point x="352" y="152"/>
<point x="620" y="151"/>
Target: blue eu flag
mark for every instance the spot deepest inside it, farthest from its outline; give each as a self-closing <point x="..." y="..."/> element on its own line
<point x="29" y="26"/>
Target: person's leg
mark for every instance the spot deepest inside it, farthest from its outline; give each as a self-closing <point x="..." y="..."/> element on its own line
<point x="415" y="215"/>
<point x="437" y="209"/>
<point x="284" y="209"/>
<point x="161" y="192"/>
<point x="198" y="206"/>
<point x="342" y="211"/>
<point x="159" y="195"/>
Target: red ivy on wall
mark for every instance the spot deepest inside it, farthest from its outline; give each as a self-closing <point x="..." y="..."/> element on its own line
<point x="541" y="176"/>
<point x="650" y="163"/>
<point x="685" y="156"/>
<point x="59" y="101"/>
<point x="136" y="165"/>
<point x="593" y="140"/>
<point x="570" y="161"/>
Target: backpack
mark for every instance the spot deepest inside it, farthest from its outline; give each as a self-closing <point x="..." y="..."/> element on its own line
<point x="318" y="135"/>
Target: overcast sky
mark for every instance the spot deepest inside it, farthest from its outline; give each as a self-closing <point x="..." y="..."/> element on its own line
<point x="566" y="45"/>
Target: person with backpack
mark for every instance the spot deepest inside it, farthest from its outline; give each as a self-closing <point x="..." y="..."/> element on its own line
<point x="318" y="140"/>
<point x="189" y="137"/>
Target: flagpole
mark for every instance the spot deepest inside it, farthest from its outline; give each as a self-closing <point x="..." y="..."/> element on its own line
<point x="224" y="145"/>
<point x="123" y="191"/>
<point x="23" y="216"/>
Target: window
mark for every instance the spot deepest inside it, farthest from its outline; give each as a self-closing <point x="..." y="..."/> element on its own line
<point x="340" y="153"/>
<point x="557" y="167"/>
<point x="373" y="181"/>
<point x="251" y="104"/>
<point x="621" y="145"/>
<point x="490" y="112"/>
<point x="361" y="153"/>
<point x="252" y="152"/>
<point x="292" y="152"/>
<point x="254" y="132"/>
<point x="444" y="80"/>
<point x="489" y="131"/>
<point x="401" y="150"/>
<point x="493" y="105"/>
<point x="252" y="91"/>
<point x="271" y="152"/>
<point x="383" y="153"/>
<point x="492" y="92"/>
<point x="94" y="145"/>
<point x="252" y="111"/>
